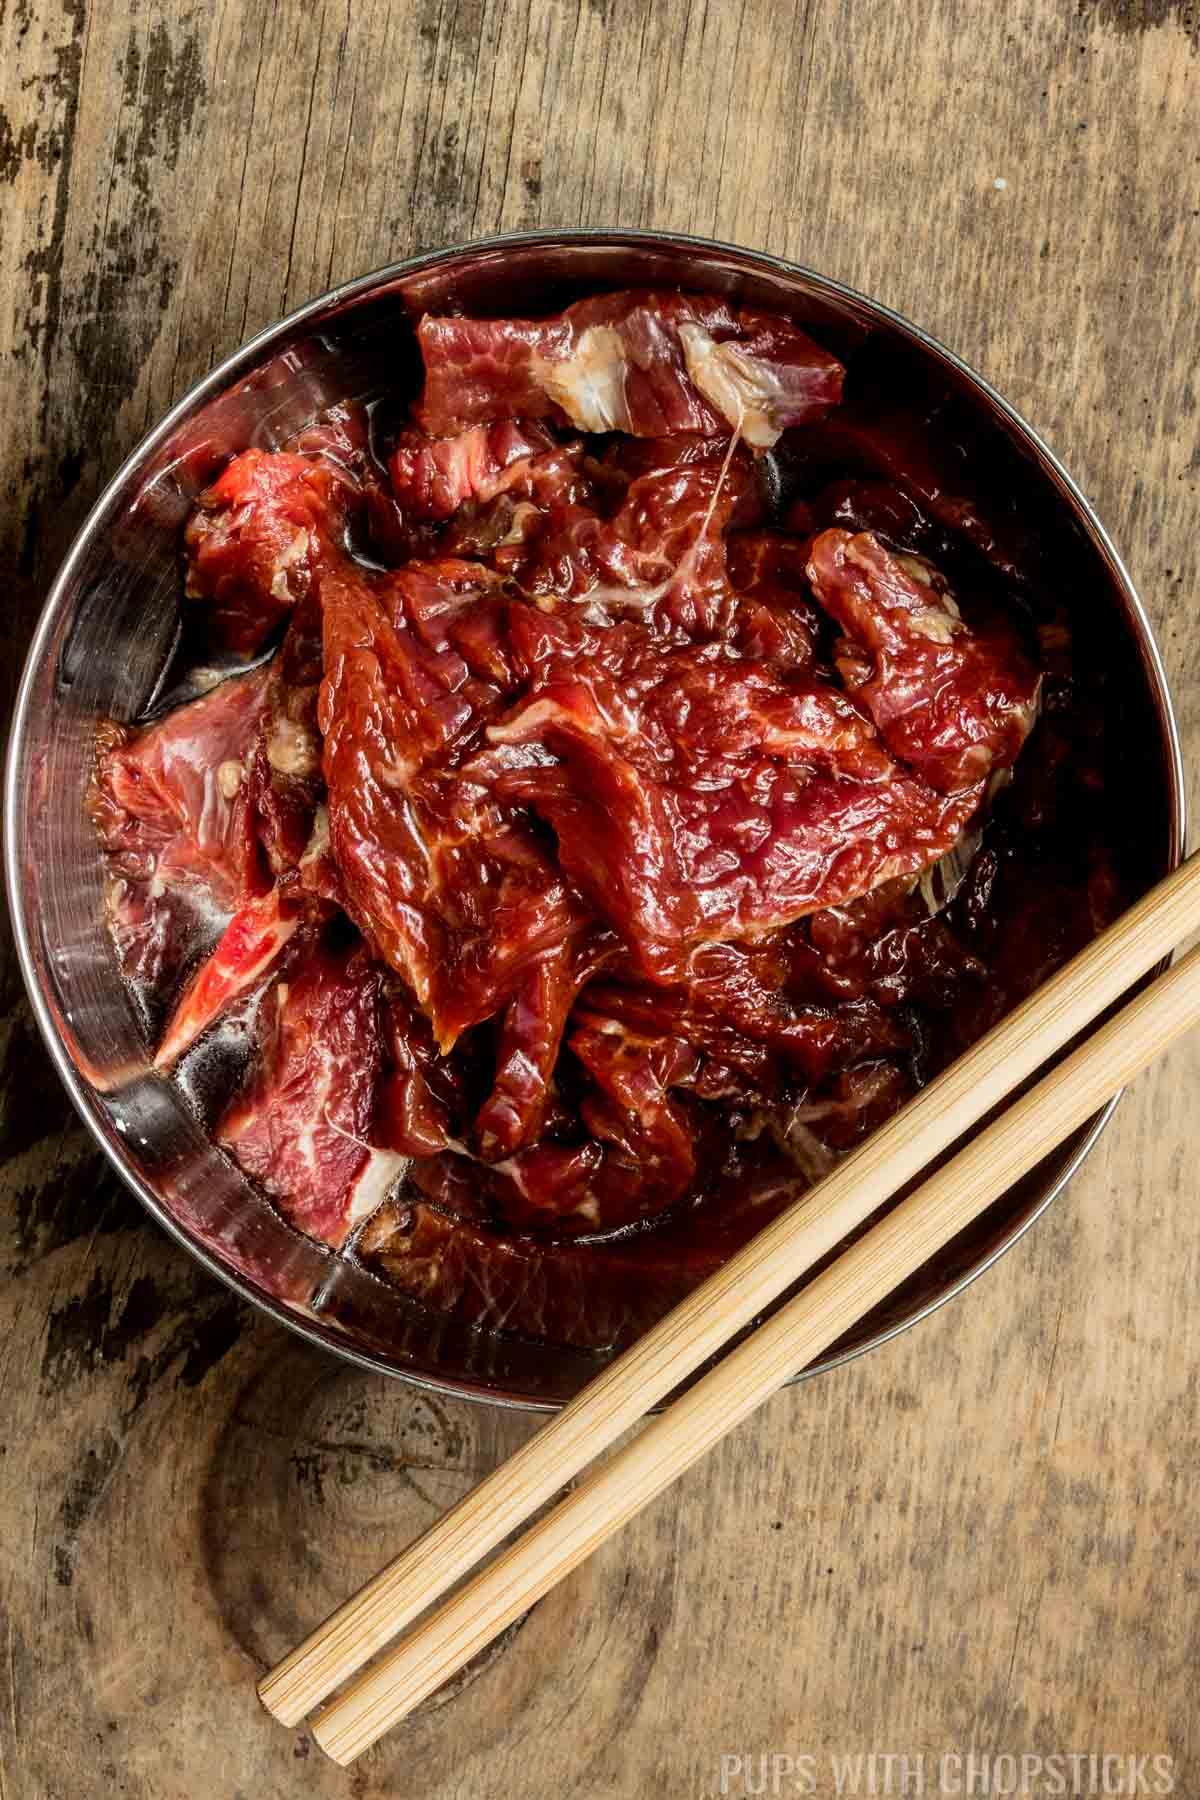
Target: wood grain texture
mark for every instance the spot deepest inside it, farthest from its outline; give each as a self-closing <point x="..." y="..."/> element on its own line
<point x="982" y="1534"/>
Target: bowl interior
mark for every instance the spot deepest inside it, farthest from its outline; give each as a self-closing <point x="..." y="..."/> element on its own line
<point x="105" y="641"/>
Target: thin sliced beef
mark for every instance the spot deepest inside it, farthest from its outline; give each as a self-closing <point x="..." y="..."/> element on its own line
<point x="650" y="1152"/>
<point x="735" y="1007"/>
<point x="774" y="619"/>
<point x="448" y="883"/>
<point x="530" y="1037"/>
<point x="433" y="476"/>
<point x="419" y="1094"/>
<point x="886" y="946"/>
<point x="696" y="795"/>
<point x="763" y="377"/>
<point x="287" y="785"/>
<point x="638" y="1158"/>
<point x="300" y="1125"/>
<point x="344" y="435"/>
<point x="257" y="538"/>
<point x="640" y="362"/>
<point x="954" y="704"/>
<point x="249" y="950"/>
<point x="660" y="557"/>
<point x="856" y="1103"/>
<point x="172" y="806"/>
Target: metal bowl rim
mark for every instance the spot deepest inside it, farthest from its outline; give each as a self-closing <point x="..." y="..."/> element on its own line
<point x="220" y="377"/>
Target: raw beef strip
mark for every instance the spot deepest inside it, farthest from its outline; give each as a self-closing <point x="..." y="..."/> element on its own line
<point x="649" y="1150"/>
<point x="257" y="537"/>
<point x="418" y="1094"/>
<point x="343" y="436"/>
<point x="774" y="618"/>
<point x="625" y="460"/>
<point x="639" y="1158"/>
<point x="249" y="949"/>
<point x="529" y="1042"/>
<point x="764" y="377"/>
<point x="736" y="1010"/>
<point x="641" y="362"/>
<point x="887" y="946"/>
<point x="433" y="476"/>
<point x="287" y="784"/>
<point x="661" y="556"/>
<point x="300" y="1125"/>
<point x="449" y="884"/>
<point x="857" y="1103"/>
<point x="520" y="504"/>
<point x="952" y="703"/>
<point x="697" y="795"/>
<point x="666" y="555"/>
<point x="660" y="552"/>
<point x="172" y="808"/>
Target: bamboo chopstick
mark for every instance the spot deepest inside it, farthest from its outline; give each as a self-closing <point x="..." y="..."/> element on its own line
<point x="731" y="1299"/>
<point x="867" y="1272"/>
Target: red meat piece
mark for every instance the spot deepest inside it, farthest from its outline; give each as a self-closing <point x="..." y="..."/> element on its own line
<point x="650" y="1153"/>
<point x="257" y="538"/>
<point x="735" y="1009"/>
<point x="858" y="1102"/>
<point x="764" y="377"/>
<point x="342" y="434"/>
<point x="172" y="807"/>
<point x="952" y="703"/>
<point x="300" y="1125"/>
<point x="646" y="363"/>
<point x="287" y="785"/>
<point x="433" y="476"/>
<point x="448" y="883"/>
<point x="698" y="795"/>
<point x="249" y="949"/>
<point x="170" y="800"/>
<point x="662" y="556"/>
<point x="455" y="617"/>
<point x="626" y="460"/>
<point x="639" y="1158"/>
<point x="887" y="946"/>
<point x="775" y="619"/>
<point x="417" y="1096"/>
<point x="530" y="1038"/>
<point x="522" y="499"/>
<point x="677" y="516"/>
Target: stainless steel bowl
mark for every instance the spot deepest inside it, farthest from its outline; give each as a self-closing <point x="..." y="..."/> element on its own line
<point x="103" y="643"/>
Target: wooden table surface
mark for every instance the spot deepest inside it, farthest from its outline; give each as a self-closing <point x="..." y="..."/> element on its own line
<point x="982" y="1536"/>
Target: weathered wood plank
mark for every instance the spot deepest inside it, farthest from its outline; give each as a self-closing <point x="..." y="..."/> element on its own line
<point x="984" y="1533"/>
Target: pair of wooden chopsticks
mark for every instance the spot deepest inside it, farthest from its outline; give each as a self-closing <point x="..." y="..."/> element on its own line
<point x="717" y="1312"/>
